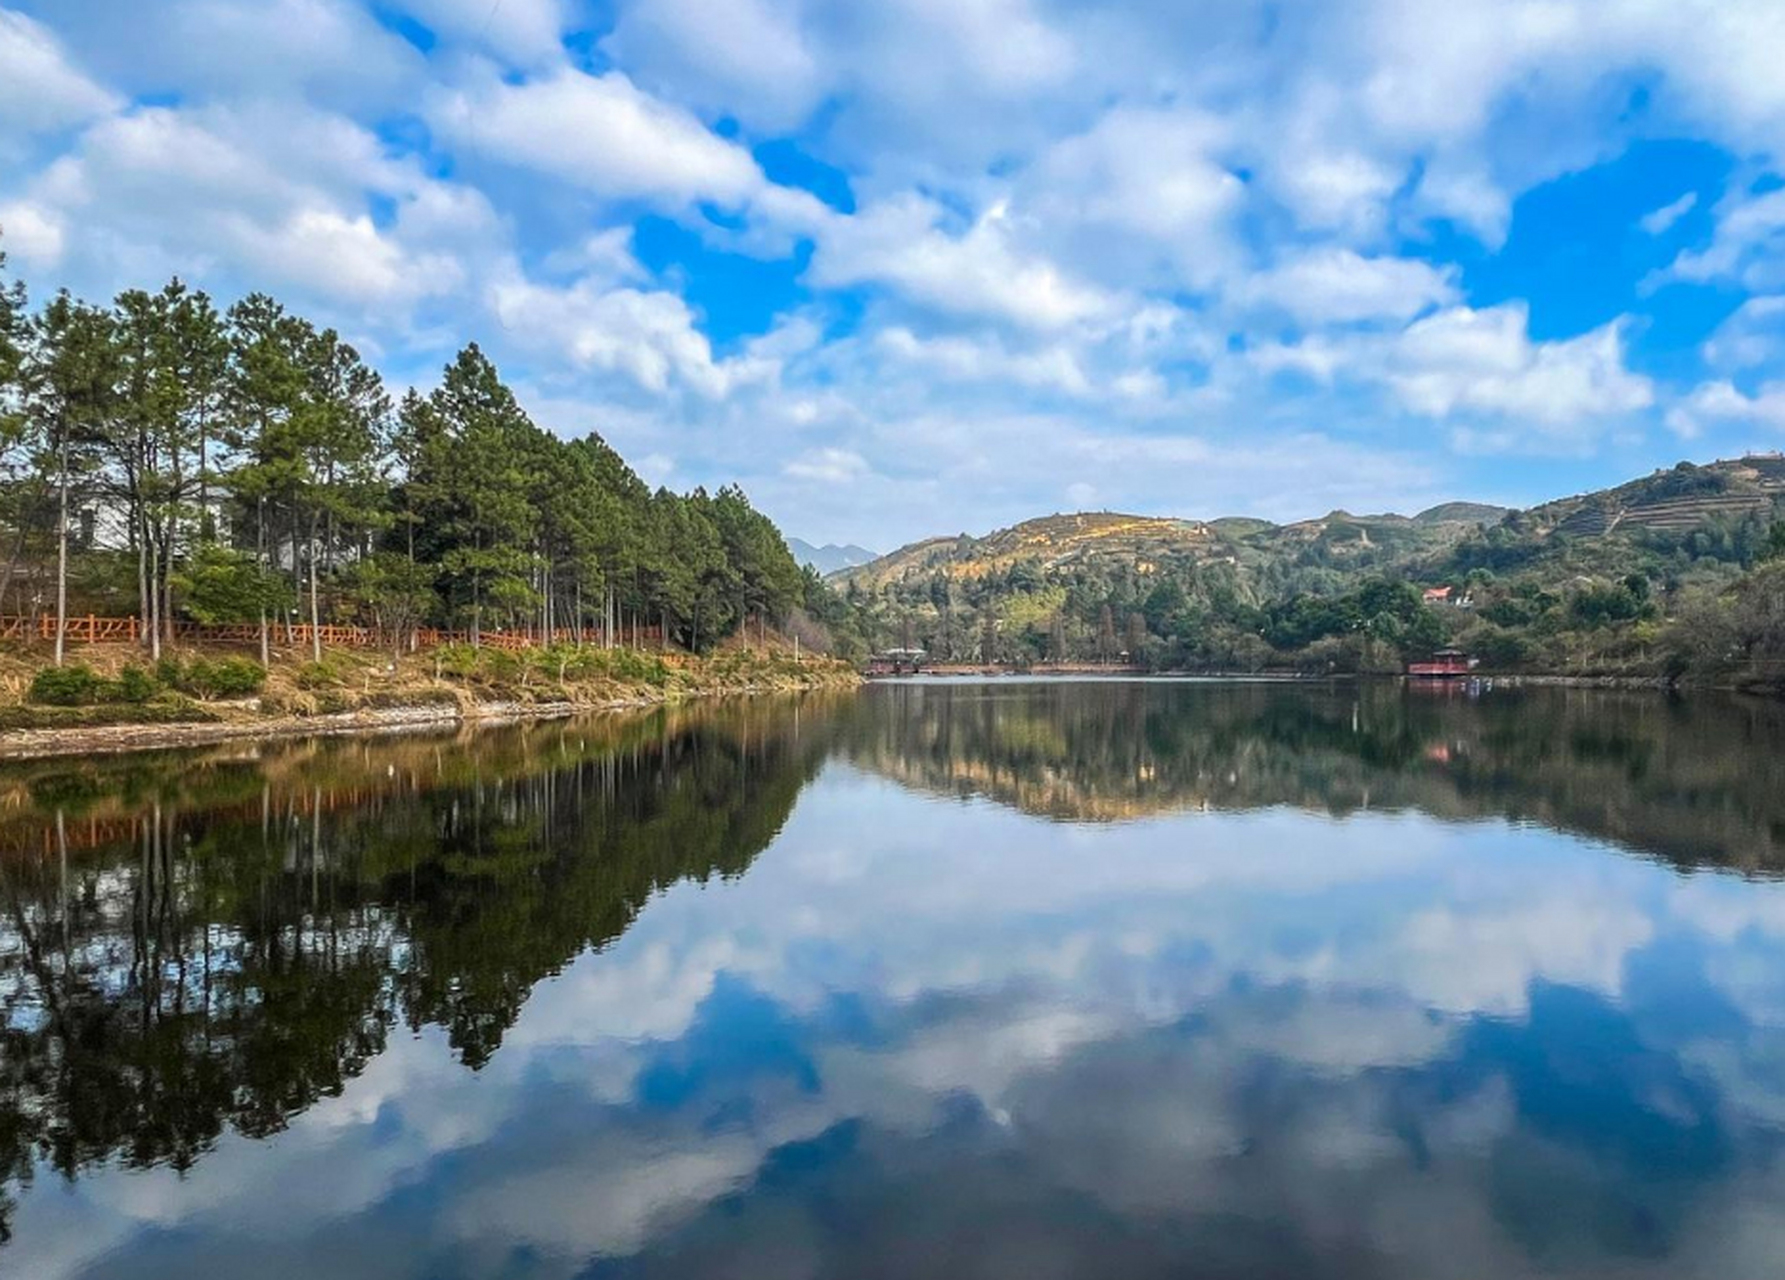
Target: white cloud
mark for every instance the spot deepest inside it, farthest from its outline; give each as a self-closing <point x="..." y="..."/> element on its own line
<point x="1753" y="335"/>
<point x="902" y="243"/>
<point x="649" y="336"/>
<point x="40" y="90"/>
<point x="223" y="194"/>
<point x="1141" y="183"/>
<point x="522" y="31"/>
<point x="1055" y="368"/>
<point x="1436" y="71"/>
<point x="1659" y="221"/>
<point x="828" y="466"/>
<point x="1336" y="285"/>
<point x="748" y="56"/>
<point x="321" y="51"/>
<point x="1720" y="402"/>
<point x="1482" y="366"/>
<point x="1747" y="245"/>
<point x="1118" y="219"/>
<point x="602" y="133"/>
<point x="1483" y="361"/>
<point x="31" y="235"/>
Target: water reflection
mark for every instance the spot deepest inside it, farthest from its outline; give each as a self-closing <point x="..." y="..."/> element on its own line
<point x="669" y="997"/>
<point x="1692" y="780"/>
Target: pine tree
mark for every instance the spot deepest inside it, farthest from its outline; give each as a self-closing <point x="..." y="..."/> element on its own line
<point x="71" y="382"/>
<point x="263" y="389"/>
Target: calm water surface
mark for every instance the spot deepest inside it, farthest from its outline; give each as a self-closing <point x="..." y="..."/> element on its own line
<point x="965" y="980"/>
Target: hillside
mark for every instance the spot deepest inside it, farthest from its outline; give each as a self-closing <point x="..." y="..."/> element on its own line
<point x="1149" y="546"/>
<point x="1462" y="513"/>
<point x="1681" y="500"/>
<point x="1050" y="542"/>
<point x="1588" y="579"/>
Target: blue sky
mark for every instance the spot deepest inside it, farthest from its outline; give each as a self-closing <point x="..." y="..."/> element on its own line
<point x="930" y="265"/>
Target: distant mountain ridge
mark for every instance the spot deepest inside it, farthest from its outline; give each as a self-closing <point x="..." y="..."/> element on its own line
<point x="1261" y="556"/>
<point x="830" y="558"/>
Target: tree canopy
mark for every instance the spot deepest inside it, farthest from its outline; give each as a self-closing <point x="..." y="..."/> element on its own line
<point x="247" y="464"/>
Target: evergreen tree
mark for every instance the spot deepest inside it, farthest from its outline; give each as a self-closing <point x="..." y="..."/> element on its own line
<point x="240" y="466"/>
<point x="71" y="383"/>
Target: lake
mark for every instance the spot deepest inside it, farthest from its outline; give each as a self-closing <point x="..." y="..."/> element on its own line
<point x="1006" y="979"/>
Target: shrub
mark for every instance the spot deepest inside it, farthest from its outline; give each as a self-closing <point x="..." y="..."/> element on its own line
<point x="224" y="677"/>
<point x="74" y="685"/>
<point x="325" y="674"/>
<point x="214" y="677"/>
<point x="135" y="684"/>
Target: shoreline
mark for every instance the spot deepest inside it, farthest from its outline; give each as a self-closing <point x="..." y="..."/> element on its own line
<point x="120" y="739"/>
<point x="1508" y="679"/>
<point x="117" y="739"/>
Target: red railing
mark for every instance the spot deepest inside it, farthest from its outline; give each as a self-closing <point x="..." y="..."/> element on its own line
<point x="93" y="629"/>
<point x="1440" y="668"/>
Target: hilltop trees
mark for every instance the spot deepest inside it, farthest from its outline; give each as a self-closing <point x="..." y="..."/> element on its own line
<point x="160" y="458"/>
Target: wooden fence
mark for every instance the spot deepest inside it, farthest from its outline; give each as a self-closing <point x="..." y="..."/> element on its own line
<point x="92" y="629"/>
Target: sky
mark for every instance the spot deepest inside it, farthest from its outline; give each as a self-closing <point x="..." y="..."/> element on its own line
<point x="928" y="266"/>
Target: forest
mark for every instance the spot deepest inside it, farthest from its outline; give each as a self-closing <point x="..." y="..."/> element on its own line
<point x="164" y="458"/>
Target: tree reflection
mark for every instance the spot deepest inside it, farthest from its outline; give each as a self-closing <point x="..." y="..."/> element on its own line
<point x="195" y="942"/>
<point x="201" y="942"/>
<point x="1698" y="782"/>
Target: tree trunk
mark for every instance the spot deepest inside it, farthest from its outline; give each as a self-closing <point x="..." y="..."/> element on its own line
<point x="140" y="535"/>
<point x="62" y="555"/>
<point x="315" y="611"/>
<point x="153" y="621"/>
<point x="207" y="527"/>
<point x="167" y="579"/>
<point x="260" y="564"/>
<point x="297" y="582"/>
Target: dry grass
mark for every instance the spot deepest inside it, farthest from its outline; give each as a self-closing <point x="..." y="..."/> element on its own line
<point x="353" y="680"/>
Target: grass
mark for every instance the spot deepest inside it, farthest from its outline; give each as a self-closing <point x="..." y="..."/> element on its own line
<point x="348" y="680"/>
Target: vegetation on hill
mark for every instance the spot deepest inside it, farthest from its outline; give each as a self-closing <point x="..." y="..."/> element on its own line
<point x="1678" y="574"/>
<point x="164" y="459"/>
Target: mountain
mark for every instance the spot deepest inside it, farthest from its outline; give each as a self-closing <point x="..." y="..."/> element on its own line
<point x="1263" y="560"/>
<point x="1059" y="546"/>
<point x="1051" y="543"/>
<point x="829" y="558"/>
<point x="1593" y="583"/>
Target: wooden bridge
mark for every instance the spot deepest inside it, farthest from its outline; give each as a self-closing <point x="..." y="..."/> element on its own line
<point x="93" y="629"/>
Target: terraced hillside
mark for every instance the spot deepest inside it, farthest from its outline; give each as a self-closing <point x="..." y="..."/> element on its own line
<point x="1677" y="500"/>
